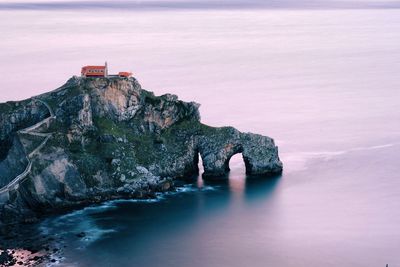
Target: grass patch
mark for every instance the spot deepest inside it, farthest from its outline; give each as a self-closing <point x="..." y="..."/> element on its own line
<point x="150" y="98"/>
<point x="140" y="146"/>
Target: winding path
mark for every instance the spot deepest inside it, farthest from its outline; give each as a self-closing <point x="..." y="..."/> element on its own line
<point x="30" y="130"/>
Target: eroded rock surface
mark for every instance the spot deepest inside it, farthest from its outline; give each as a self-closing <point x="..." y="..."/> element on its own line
<point x="112" y="139"/>
<point x="259" y="152"/>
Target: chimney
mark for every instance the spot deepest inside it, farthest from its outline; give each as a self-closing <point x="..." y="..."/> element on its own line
<point x="106" y="69"/>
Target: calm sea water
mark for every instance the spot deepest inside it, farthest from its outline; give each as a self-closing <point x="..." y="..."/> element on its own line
<point x="324" y="83"/>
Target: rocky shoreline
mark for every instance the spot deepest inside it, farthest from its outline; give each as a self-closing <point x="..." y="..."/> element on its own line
<point x="36" y="250"/>
<point x="23" y="244"/>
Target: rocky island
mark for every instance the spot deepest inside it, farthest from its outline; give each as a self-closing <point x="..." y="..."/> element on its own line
<point x="95" y="139"/>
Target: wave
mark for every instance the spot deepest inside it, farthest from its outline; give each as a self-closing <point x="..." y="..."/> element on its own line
<point x="82" y="220"/>
<point x="193" y="188"/>
<point x="298" y="161"/>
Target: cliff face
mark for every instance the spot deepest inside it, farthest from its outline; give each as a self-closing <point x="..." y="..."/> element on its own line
<point x="101" y="138"/>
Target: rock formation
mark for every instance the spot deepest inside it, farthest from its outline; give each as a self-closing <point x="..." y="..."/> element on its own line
<point x="95" y="139"/>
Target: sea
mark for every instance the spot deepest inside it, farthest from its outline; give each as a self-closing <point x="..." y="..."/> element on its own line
<point x="321" y="78"/>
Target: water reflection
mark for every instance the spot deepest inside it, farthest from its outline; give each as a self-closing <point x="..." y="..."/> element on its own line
<point x="260" y="188"/>
<point x="241" y="185"/>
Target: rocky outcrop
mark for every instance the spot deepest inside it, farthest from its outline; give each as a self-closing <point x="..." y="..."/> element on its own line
<point x="112" y="139"/>
<point x="259" y="153"/>
<point x="14" y="163"/>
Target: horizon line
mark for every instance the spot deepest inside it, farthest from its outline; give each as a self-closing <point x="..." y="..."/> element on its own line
<point x="195" y="5"/>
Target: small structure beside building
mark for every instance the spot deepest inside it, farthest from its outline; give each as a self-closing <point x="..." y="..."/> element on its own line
<point x="101" y="71"/>
<point x="124" y="74"/>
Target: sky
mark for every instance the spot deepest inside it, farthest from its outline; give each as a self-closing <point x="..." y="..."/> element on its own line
<point x="194" y="4"/>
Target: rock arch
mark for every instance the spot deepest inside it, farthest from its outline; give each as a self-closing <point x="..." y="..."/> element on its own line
<point x="259" y="152"/>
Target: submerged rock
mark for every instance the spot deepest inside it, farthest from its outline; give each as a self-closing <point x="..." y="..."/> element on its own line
<point x="81" y="234"/>
<point x="95" y="139"/>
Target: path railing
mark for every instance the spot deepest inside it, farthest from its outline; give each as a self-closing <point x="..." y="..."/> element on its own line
<point x="14" y="183"/>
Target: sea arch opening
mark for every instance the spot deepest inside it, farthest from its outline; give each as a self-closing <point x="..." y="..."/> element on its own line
<point x="236" y="173"/>
<point x="217" y="162"/>
<point x="236" y="164"/>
